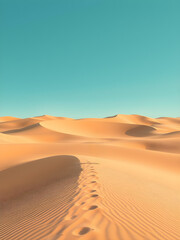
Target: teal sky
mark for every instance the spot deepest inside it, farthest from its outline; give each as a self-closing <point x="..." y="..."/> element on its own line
<point x="89" y="58"/>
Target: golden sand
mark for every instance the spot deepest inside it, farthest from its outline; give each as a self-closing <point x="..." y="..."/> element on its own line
<point x="112" y="178"/>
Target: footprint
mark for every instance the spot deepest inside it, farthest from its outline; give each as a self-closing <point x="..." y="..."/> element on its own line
<point x="93" y="190"/>
<point x="93" y="207"/>
<point x="94" y="195"/>
<point x="84" y="230"/>
<point x="93" y="181"/>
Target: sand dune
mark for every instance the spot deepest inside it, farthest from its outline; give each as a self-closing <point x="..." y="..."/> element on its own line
<point x="37" y="133"/>
<point x="8" y="118"/>
<point x="36" y="174"/>
<point x="111" y="178"/>
<point x="17" y="124"/>
<point x="134" y="119"/>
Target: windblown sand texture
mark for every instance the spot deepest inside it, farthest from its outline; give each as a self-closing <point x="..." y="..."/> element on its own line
<point x="106" y="179"/>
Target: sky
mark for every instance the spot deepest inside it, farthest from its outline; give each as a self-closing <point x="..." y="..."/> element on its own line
<point x="89" y="58"/>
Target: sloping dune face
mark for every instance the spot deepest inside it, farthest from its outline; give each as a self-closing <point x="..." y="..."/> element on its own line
<point x="112" y="178"/>
<point x="8" y="118"/>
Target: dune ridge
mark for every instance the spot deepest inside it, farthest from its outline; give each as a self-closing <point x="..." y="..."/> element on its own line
<point x="36" y="174"/>
<point x="105" y="178"/>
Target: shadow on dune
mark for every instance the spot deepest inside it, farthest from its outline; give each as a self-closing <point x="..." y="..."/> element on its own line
<point x="21" y="129"/>
<point x="35" y="174"/>
<point x="141" y="131"/>
<point x="51" y="183"/>
<point x="17" y="124"/>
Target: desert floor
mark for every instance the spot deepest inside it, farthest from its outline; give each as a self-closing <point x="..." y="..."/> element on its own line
<point x="110" y="178"/>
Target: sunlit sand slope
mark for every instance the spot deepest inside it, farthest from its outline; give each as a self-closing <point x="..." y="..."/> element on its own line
<point x="112" y="178"/>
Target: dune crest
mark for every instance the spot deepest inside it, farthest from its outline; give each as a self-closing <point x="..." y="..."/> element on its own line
<point x="110" y="178"/>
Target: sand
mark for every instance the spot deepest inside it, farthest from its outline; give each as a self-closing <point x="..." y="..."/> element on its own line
<point x="109" y="178"/>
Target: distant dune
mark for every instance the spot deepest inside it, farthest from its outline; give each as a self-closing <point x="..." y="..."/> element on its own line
<point x="97" y="178"/>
